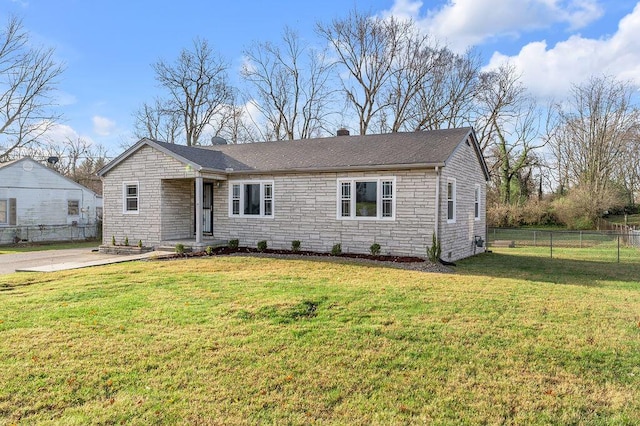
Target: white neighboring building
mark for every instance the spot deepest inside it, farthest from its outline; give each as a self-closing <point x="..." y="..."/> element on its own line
<point x="39" y="204"/>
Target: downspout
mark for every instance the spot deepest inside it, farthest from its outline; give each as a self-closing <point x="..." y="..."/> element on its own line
<point x="436" y="226"/>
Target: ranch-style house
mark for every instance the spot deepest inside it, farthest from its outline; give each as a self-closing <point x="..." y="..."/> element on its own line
<point x="396" y="189"/>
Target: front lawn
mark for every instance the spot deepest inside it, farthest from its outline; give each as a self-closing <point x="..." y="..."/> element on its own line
<point x="511" y="337"/>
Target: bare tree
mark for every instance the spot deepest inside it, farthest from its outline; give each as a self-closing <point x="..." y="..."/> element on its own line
<point x="367" y="49"/>
<point x="597" y="124"/>
<point x="198" y="91"/>
<point x="291" y="87"/>
<point x="28" y="78"/>
<point x="508" y="129"/>
<point x="157" y="122"/>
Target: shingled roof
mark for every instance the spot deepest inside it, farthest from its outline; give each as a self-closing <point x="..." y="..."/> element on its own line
<point x="386" y="151"/>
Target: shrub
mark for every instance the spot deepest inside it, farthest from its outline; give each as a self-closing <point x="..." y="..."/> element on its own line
<point x="435" y="250"/>
<point x="139" y="243"/>
<point x="295" y="246"/>
<point x="113" y="240"/>
<point x="180" y="248"/>
<point x="126" y="241"/>
<point x="233" y="244"/>
<point x="374" y="249"/>
<point x="209" y="250"/>
<point x="336" y="250"/>
<point x="262" y="245"/>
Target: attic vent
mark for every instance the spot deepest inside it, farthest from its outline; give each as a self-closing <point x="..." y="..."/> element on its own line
<point x="217" y="140"/>
<point x="342" y="132"/>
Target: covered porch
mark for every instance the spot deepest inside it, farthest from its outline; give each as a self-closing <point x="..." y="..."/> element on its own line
<point x="187" y="207"/>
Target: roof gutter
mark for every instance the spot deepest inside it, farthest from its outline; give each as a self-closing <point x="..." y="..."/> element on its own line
<point x="359" y="168"/>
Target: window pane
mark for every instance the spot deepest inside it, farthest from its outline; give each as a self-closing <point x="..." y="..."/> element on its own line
<point x="252" y="199"/>
<point x="346" y="208"/>
<point x="267" y="191"/>
<point x="4" y="215"/>
<point x="387" y="208"/>
<point x="236" y="206"/>
<point x="73" y="207"/>
<point x="267" y="207"/>
<point x="450" y="209"/>
<point x="132" y="204"/>
<point x="387" y="189"/>
<point x="346" y="190"/>
<point x="236" y="191"/>
<point x="366" y="199"/>
<point x="449" y="191"/>
<point x="132" y="190"/>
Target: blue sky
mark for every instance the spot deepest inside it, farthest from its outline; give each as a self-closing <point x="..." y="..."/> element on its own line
<point x="108" y="46"/>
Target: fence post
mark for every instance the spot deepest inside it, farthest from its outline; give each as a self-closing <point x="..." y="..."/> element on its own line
<point x="551" y="242"/>
<point x="534" y="239"/>
<point x="580" y="239"/>
<point x="618" y="248"/>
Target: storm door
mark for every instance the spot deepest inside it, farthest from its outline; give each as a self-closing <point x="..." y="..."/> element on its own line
<point x="207" y="208"/>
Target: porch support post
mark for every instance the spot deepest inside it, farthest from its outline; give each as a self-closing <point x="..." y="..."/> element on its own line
<point x="198" y="209"/>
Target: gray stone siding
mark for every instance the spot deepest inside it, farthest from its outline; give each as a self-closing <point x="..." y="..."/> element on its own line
<point x="457" y="239"/>
<point x="149" y="168"/>
<point x="305" y="209"/>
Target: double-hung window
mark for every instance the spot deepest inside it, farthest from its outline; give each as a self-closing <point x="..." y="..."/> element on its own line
<point x="451" y="201"/>
<point x="73" y="207"/>
<point x="366" y="198"/>
<point x="131" y="197"/>
<point x="4" y="212"/>
<point x="251" y="198"/>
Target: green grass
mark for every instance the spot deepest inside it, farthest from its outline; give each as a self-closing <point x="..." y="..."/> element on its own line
<point x="512" y="337"/>
<point x="22" y="248"/>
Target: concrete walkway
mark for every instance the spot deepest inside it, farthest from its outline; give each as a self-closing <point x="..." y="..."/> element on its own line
<point x="60" y="260"/>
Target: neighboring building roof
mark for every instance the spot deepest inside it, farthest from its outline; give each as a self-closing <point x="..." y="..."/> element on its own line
<point x="387" y="151"/>
<point x="30" y="162"/>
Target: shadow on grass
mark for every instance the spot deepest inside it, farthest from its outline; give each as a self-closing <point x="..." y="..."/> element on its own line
<point x="534" y="267"/>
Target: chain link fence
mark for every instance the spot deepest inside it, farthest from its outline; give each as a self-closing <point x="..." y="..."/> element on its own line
<point x="610" y="242"/>
<point x="48" y="233"/>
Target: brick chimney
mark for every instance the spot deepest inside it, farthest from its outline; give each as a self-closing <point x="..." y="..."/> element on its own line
<point x="342" y="132"/>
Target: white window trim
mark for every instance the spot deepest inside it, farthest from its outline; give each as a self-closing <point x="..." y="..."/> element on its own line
<point x="241" y="210"/>
<point x="6" y="200"/>
<point x="455" y="190"/>
<point x="477" y="202"/>
<point x="124" y="197"/>
<point x="352" y="182"/>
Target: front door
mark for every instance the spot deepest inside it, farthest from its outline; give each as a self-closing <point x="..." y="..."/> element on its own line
<point x="207" y="208"/>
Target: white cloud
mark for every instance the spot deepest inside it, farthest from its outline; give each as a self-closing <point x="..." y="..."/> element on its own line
<point x="102" y="125"/>
<point x="550" y="71"/>
<point x="465" y="23"/>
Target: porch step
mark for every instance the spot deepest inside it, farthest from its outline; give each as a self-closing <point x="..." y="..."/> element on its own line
<point x="190" y="246"/>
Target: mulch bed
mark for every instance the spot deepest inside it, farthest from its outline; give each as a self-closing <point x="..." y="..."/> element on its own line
<point x="401" y="262"/>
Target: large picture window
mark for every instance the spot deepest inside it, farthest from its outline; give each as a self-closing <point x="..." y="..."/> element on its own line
<point x="251" y="199"/>
<point x="131" y="197"/>
<point x="366" y="198"/>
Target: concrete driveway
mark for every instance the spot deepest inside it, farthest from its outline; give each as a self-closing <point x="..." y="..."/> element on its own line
<point x="58" y="260"/>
